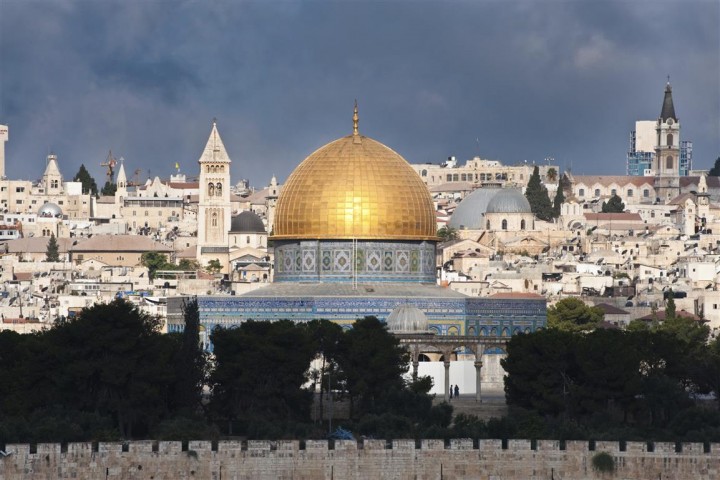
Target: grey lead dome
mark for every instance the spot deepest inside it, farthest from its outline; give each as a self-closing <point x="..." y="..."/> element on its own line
<point x="247" y="222"/>
<point x="470" y="213"/>
<point x="509" y="200"/>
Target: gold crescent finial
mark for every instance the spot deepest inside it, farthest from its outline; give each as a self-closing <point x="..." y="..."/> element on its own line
<point x="355" y="119"/>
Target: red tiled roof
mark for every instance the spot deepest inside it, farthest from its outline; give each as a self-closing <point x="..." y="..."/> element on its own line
<point x="607" y="180"/>
<point x="184" y="185"/>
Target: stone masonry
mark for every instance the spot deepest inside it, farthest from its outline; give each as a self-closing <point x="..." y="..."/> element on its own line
<point x="369" y="459"/>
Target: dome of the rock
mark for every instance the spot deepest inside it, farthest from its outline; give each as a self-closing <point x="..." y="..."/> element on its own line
<point x="355" y="188"/>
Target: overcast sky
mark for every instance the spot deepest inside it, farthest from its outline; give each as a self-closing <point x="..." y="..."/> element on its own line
<point x="511" y="80"/>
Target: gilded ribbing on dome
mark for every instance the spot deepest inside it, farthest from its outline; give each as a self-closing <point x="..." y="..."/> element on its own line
<point x="351" y="189"/>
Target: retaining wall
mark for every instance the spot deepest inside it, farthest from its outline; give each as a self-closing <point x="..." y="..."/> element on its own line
<point x="368" y="459"/>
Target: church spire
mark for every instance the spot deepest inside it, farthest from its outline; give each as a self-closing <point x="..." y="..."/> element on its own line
<point x="668" y="109"/>
<point x="121" y="177"/>
<point x="214" y="149"/>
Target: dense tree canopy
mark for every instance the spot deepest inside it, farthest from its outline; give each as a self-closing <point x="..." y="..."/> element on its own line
<point x="106" y="374"/>
<point x="260" y="368"/>
<point x="573" y="315"/>
<point x="639" y="380"/>
<point x="373" y="363"/>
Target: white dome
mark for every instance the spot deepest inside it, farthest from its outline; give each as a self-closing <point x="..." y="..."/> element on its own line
<point x="407" y="319"/>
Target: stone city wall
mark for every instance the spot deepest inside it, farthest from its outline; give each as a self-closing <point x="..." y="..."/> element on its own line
<point x="348" y="459"/>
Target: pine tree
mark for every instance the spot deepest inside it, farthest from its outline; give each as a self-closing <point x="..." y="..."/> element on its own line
<point x="614" y="205"/>
<point x="537" y="195"/>
<point x="715" y="171"/>
<point x="52" y="254"/>
<point x="88" y="182"/>
<point x="109" y="189"/>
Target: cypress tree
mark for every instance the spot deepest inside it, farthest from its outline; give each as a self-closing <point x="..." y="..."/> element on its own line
<point x="52" y="254"/>
<point x="537" y="195"/>
<point x="559" y="199"/>
<point x="88" y="182"/>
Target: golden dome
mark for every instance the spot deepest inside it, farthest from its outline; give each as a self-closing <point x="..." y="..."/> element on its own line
<point x="355" y="188"/>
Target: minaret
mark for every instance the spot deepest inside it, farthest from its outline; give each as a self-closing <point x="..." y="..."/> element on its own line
<point x="52" y="178"/>
<point x="703" y="202"/>
<point x="667" y="150"/>
<point x="3" y="139"/>
<point x="272" y="203"/>
<point x="121" y="183"/>
<point x="214" y="200"/>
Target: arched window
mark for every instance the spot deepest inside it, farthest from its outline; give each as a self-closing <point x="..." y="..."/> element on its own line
<point x="597" y="192"/>
<point x="423" y="173"/>
<point x="455" y="177"/>
<point x="646" y="193"/>
<point x="504" y="224"/>
<point x="214" y="219"/>
<point x="218" y="189"/>
<point x="613" y="192"/>
<point x="211" y="189"/>
<point x="487" y="225"/>
<point x="247" y="240"/>
<point x="522" y="224"/>
<point x="630" y="192"/>
<point x="669" y="162"/>
<point x="669" y="140"/>
<point x="581" y="192"/>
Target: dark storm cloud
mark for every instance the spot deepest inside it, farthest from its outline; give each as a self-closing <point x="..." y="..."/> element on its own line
<point x="518" y="80"/>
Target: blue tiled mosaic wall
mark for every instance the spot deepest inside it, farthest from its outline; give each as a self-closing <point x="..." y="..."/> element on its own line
<point x="375" y="261"/>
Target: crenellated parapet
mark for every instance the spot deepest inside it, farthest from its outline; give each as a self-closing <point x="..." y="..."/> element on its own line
<point x="369" y="458"/>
